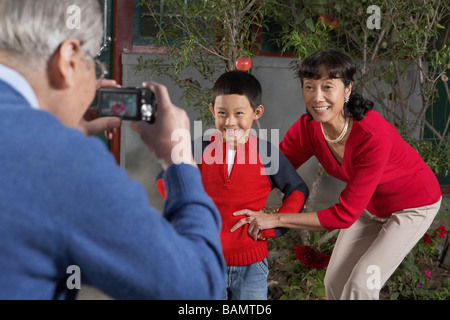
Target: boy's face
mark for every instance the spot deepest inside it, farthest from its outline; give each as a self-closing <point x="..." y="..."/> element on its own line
<point x="234" y="117"/>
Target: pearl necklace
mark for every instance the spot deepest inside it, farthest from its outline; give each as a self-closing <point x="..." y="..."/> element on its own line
<point x="341" y="136"/>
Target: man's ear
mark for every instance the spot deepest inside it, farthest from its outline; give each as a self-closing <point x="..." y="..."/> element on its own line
<point x="258" y="112"/>
<point x="63" y="64"/>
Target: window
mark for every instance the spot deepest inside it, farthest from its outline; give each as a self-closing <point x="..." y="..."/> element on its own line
<point x="144" y="26"/>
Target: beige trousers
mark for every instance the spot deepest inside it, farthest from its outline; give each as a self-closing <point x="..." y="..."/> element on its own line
<point x="366" y="254"/>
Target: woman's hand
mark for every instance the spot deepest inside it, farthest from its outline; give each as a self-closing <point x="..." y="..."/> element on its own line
<point x="257" y="221"/>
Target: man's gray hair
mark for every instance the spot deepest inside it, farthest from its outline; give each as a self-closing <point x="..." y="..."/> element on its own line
<point x="32" y="30"/>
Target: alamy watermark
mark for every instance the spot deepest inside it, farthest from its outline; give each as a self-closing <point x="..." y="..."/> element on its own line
<point x="374" y="280"/>
<point x="73" y="20"/>
<point x="374" y="20"/>
<point x="266" y="153"/>
<point x="73" y="17"/>
<point x="74" y="280"/>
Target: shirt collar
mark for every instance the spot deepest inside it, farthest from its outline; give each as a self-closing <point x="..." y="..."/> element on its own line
<point x="20" y="84"/>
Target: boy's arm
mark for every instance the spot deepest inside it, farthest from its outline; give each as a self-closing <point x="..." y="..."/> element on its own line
<point x="284" y="177"/>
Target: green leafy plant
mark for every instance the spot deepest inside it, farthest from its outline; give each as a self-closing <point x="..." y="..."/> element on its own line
<point x="305" y="283"/>
<point x="410" y="281"/>
<point x="404" y="57"/>
<point x="308" y="272"/>
<point x="205" y="36"/>
<point x="435" y="155"/>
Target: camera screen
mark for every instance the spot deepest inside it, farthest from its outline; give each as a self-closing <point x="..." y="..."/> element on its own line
<point x="118" y="104"/>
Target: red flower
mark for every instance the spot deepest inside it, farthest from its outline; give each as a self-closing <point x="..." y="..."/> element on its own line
<point x="325" y="19"/>
<point x="428" y="274"/>
<point x="442" y="231"/>
<point x="427" y="239"/>
<point x="334" y="23"/>
<point x="311" y="257"/>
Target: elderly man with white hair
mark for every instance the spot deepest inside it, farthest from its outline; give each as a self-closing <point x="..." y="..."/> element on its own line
<point x="65" y="205"/>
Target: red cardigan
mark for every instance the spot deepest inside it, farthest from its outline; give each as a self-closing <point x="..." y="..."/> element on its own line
<point x="383" y="173"/>
<point x="251" y="180"/>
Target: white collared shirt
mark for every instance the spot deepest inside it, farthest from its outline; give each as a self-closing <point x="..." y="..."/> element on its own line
<point x="20" y="84"/>
<point x="231" y="156"/>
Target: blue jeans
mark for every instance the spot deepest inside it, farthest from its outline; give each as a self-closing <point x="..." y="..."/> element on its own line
<point x="247" y="282"/>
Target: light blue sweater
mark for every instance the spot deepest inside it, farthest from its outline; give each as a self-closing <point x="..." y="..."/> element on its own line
<point x="65" y="202"/>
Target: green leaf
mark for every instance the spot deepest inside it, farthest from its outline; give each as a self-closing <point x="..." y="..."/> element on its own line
<point x="310" y="24"/>
<point x="394" y="296"/>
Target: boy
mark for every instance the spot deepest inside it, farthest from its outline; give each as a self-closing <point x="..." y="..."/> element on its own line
<point x="236" y="177"/>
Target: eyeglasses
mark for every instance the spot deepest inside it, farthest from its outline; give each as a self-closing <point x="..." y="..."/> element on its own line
<point x="105" y="46"/>
<point x="101" y="71"/>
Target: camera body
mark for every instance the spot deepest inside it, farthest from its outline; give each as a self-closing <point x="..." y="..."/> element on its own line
<point x="137" y="104"/>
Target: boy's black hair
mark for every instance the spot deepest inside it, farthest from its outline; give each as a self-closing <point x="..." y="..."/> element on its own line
<point x="238" y="82"/>
<point x="338" y="65"/>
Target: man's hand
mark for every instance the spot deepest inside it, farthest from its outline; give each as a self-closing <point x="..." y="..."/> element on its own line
<point x="168" y="138"/>
<point x="91" y="125"/>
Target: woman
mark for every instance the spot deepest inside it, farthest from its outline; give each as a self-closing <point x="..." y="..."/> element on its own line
<point x="391" y="196"/>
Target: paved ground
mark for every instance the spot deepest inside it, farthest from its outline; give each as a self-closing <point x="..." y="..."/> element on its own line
<point x="91" y="293"/>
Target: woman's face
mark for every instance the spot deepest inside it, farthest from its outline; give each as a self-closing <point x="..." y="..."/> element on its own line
<point x="324" y="98"/>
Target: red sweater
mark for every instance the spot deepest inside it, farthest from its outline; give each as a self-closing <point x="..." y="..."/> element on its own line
<point x="383" y="173"/>
<point x="251" y="180"/>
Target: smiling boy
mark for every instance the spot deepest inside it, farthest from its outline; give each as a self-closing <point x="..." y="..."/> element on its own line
<point x="233" y="117"/>
<point x="237" y="176"/>
<point x="237" y="183"/>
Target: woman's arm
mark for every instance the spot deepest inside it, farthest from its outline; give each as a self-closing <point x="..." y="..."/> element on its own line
<point x="259" y="220"/>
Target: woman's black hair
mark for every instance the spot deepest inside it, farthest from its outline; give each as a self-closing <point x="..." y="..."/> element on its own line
<point x="337" y="65"/>
<point x="238" y="82"/>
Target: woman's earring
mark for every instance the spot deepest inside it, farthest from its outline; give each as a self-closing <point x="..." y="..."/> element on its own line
<point x="346" y="99"/>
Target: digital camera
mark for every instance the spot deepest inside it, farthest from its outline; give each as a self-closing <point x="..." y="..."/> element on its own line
<point x="127" y="103"/>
